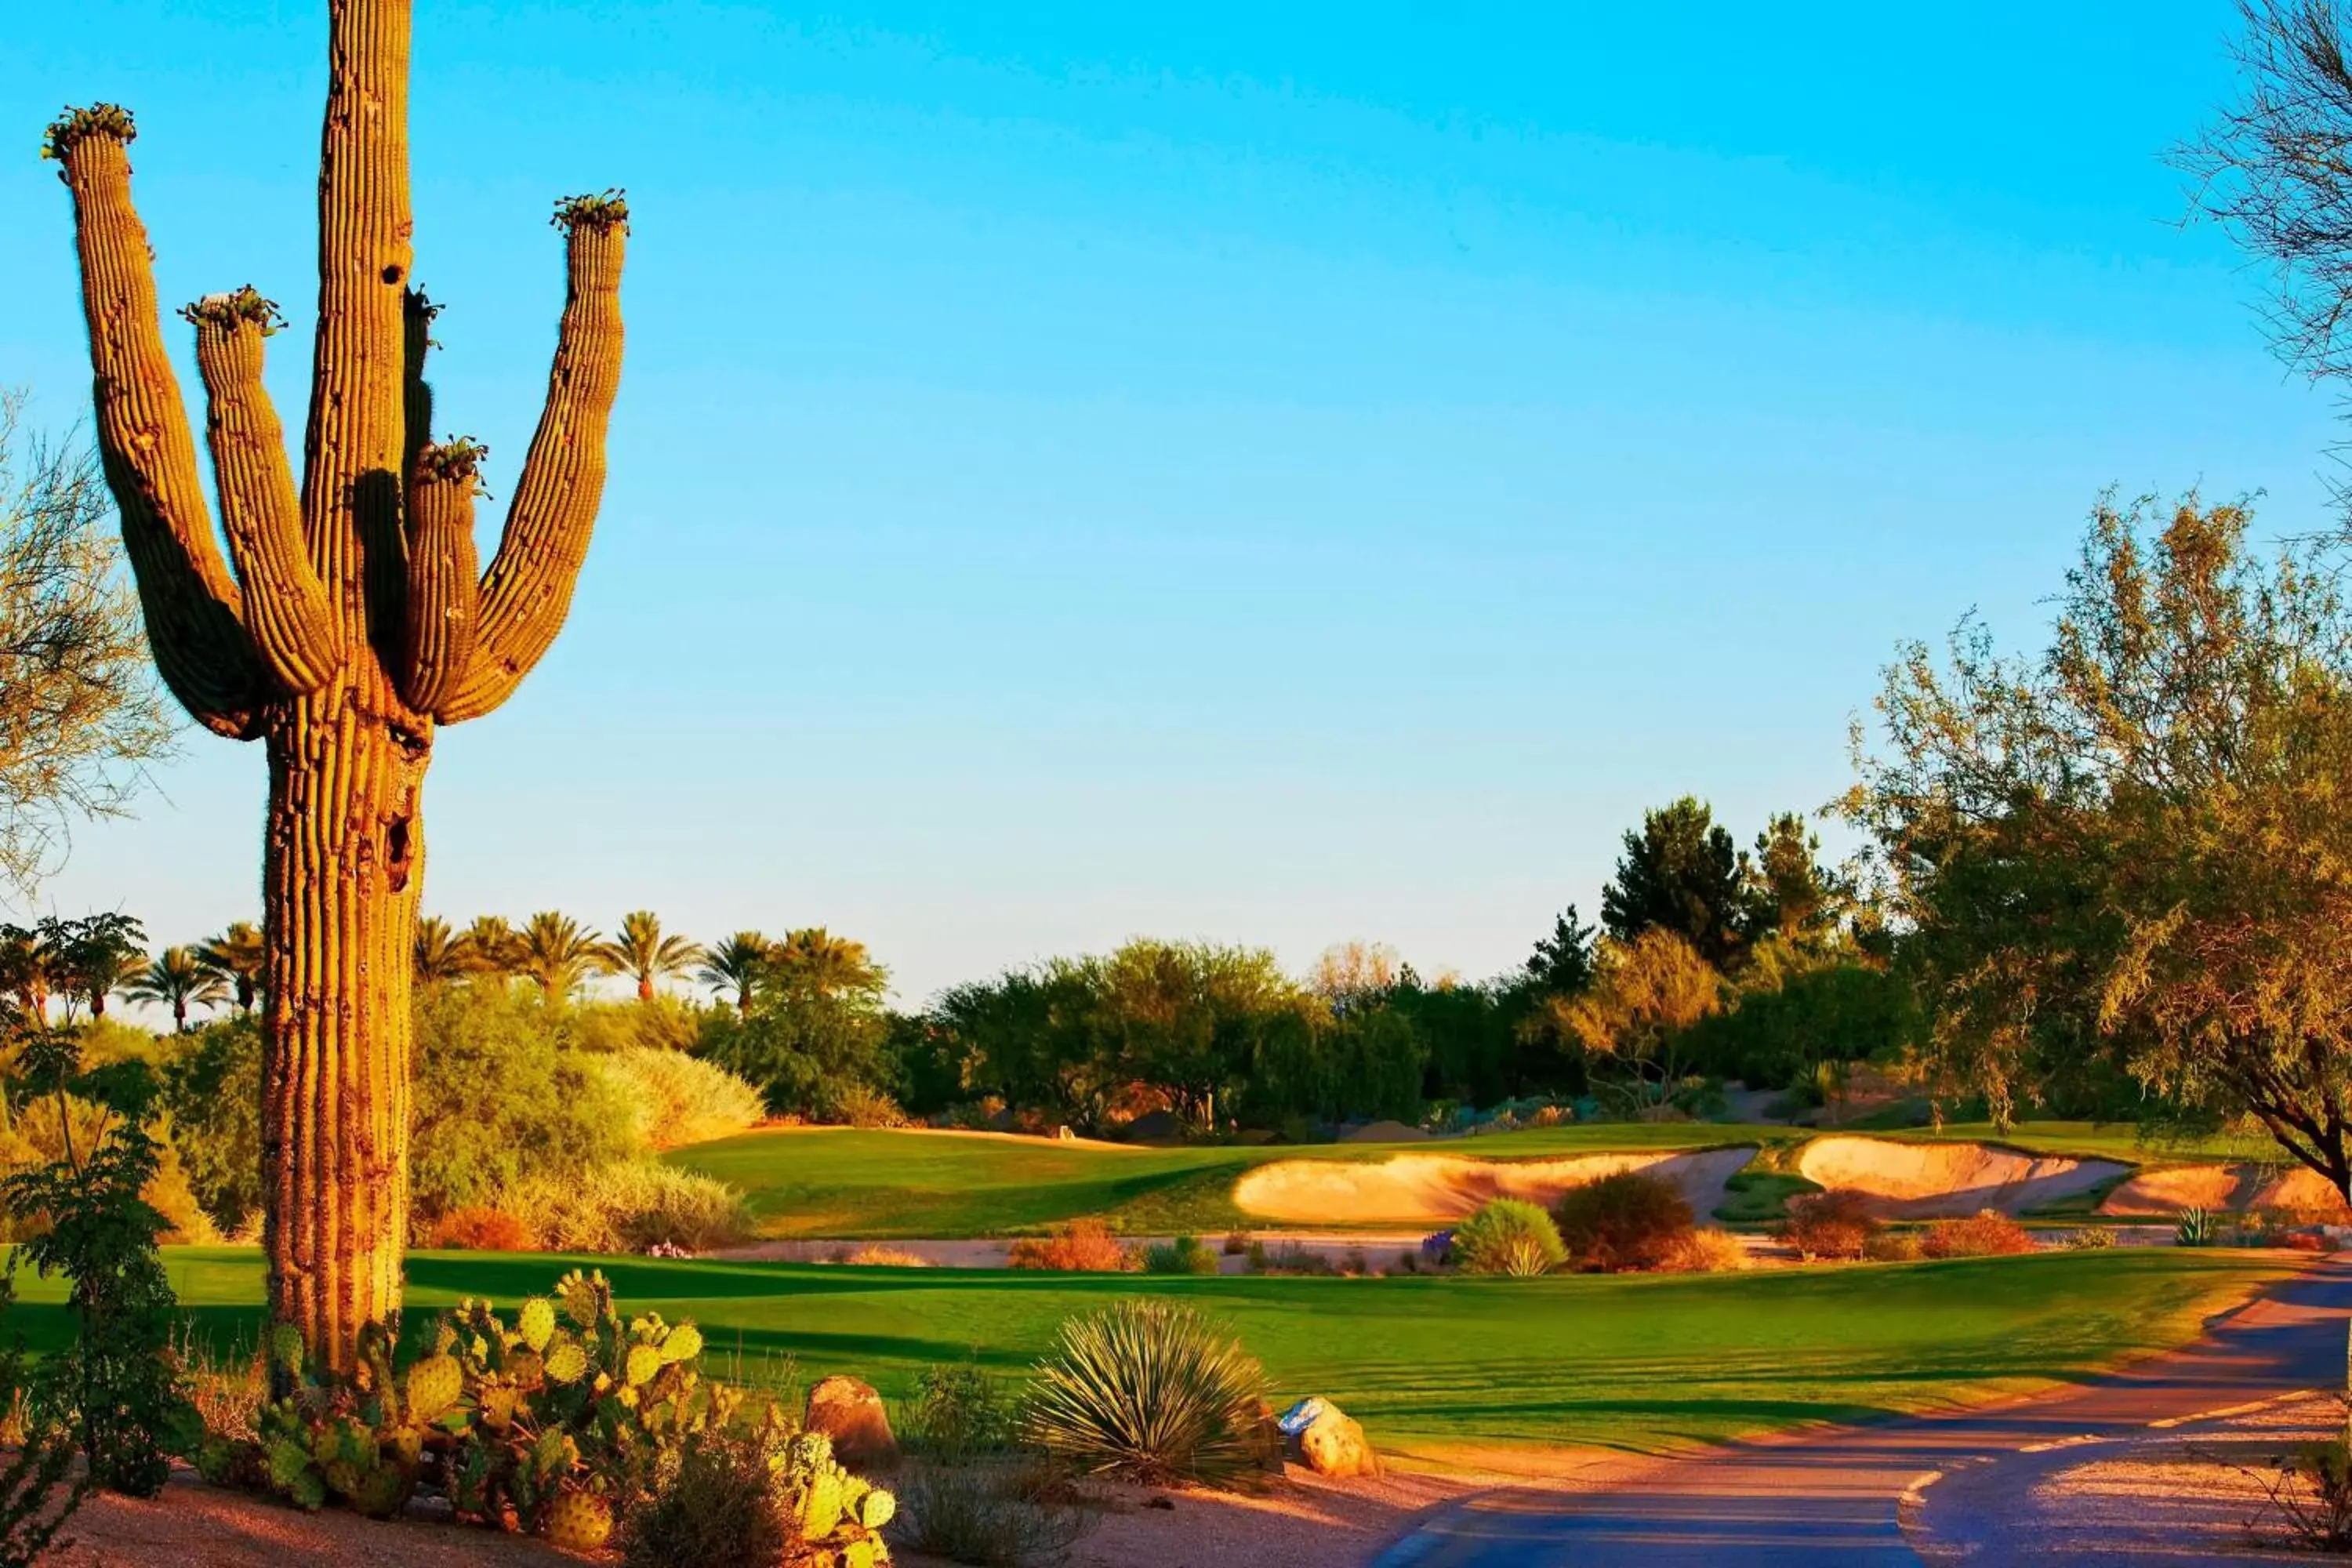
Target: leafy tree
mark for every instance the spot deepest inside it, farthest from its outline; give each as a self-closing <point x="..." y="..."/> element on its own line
<point x="735" y="964"/>
<point x="643" y="954"/>
<point x="439" y="956"/>
<point x="238" y="956"/>
<point x="79" y="712"/>
<point x="816" y="1027"/>
<point x="1681" y="873"/>
<point x="1647" y="993"/>
<point x="557" y="953"/>
<point x="89" y="1222"/>
<point x="1790" y="895"/>
<point x="2130" y="846"/>
<point x="212" y="1090"/>
<point x="1028" y="1036"/>
<point x="89" y="957"/>
<point x="176" y="979"/>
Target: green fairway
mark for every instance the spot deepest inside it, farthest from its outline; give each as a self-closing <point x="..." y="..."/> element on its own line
<point x="1623" y="1361"/>
<point x="840" y="1182"/>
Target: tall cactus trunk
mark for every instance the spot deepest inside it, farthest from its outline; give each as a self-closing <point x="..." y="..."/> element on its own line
<point x="343" y="864"/>
<point x="357" y="618"/>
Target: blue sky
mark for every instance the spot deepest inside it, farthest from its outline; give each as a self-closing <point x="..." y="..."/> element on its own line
<point x="1086" y="471"/>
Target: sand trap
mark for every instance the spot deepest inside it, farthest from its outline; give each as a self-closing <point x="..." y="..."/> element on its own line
<point x="1925" y="1180"/>
<point x="1422" y="1189"/>
<point x="2238" y="1187"/>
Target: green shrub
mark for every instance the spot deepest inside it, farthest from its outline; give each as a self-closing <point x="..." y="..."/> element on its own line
<point x="628" y="1207"/>
<point x="718" y="1505"/>
<point x="958" y="1413"/>
<point x="1838" y="1224"/>
<point x="1894" y="1246"/>
<point x="1184" y="1255"/>
<point x="992" y="1514"/>
<point x="678" y="1099"/>
<point x="664" y="1024"/>
<point x="1148" y="1390"/>
<point x="1630" y="1220"/>
<point x="1509" y="1236"/>
<point x="212" y="1091"/>
<point x="38" y="1490"/>
<point x="501" y="1097"/>
<point x="2091" y="1238"/>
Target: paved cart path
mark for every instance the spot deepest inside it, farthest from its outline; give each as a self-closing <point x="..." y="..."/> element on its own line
<point x="1920" y="1490"/>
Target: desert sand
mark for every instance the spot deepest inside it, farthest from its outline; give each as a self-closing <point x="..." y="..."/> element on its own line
<point x="1425" y="1189"/>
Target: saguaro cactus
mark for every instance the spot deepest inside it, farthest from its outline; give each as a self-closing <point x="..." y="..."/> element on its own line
<point x="347" y="623"/>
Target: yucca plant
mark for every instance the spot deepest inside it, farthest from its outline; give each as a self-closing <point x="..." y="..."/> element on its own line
<point x="2194" y="1226"/>
<point x="1509" y="1236"/>
<point x="1150" y="1391"/>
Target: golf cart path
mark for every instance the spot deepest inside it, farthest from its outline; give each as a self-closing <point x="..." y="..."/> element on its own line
<point x="1920" y="1490"/>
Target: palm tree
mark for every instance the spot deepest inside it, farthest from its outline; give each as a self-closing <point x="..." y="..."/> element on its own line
<point x="558" y="952"/>
<point x="642" y="953"/>
<point x="177" y="977"/>
<point x="238" y="956"/>
<point x="734" y="965"/>
<point x="440" y="956"/>
<point x="490" y="946"/>
<point x="813" y="959"/>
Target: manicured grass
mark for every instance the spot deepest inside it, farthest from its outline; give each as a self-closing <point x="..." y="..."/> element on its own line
<point x="1644" y="1362"/>
<point x="840" y="1182"/>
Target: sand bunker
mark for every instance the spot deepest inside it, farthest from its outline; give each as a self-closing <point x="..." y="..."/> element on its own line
<point x="2167" y="1193"/>
<point x="1927" y="1181"/>
<point x="1423" y="1189"/>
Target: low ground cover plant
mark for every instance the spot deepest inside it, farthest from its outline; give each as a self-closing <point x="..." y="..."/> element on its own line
<point x="1627" y="1221"/>
<point x="1838" y="1224"/>
<point x="1150" y="1391"/>
<point x="1510" y="1237"/>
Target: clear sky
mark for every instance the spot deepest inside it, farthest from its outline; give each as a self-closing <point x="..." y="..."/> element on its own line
<point x="1276" y="472"/>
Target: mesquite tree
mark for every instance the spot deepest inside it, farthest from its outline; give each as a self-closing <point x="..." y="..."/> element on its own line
<point x="348" y="622"/>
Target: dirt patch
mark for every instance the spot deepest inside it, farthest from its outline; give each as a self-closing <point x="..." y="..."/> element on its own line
<point x="1385" y="1132"/>
<point x="1417" y="1189"/>
<point x="1925" y="1180"/>
<point x="2238" y="1187"/>
<point x="195" y="1524"/>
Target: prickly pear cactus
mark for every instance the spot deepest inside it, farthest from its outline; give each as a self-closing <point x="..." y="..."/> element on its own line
<point x="577" y="1522"/>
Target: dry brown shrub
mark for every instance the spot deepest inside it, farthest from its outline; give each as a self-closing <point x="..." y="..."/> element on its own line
<point x="1985" y="1234"/>
<point x="483" y="1230"/>
<point x="872" y="1257"/>
<point x="1838" y="1224"/>
<point x="1708" y="1251"/>
<point x="1082" y="1246"/>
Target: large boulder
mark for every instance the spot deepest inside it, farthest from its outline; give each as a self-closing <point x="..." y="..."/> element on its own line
<point x="852" y="1415"/>
<point x="1318" y="1435"/>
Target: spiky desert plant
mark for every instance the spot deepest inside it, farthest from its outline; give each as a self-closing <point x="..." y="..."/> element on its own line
<point x="558" y="952"/>
<point x="1150" y="1390"/>
<point x="735" y="964"/>
<point x="237" y="955"/>
<point x="643" y="954"/>
<point x="346" y="622"/>
<point x="175" y="978"/>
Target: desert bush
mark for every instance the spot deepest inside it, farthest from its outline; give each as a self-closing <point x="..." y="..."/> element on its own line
<point x="1184" y="1255"/>
<point x="1894" y="1246"/>
<point x="992" y="1514"/>
<point x="2195" y="1227"/>
<point x="1708" y="1251"/>
<point x="501" y="1100"/>
<point x="857" y="1105"/>
<point x="44" y="1128"/>
<point x="878" y="1256"/>
<point x="1289" y="1257"/>
<point x="956" y="1414"/>
<point x="212" y="1094"/>
<point x="482" y="1230"/>
<point x="1987" y="1233"/>
<point x="718" y="1505"/>
<point x="1626" y="1221"/>
<point x="1237" y="1242"/>
<point x="2312" y="1490"/>
<point x="38" y="1489"/>
<point x="628" y="1207"/>
<point x="1510" y="1237"/>
<point x="678" y="1098"/>
<point x="664" y="1024"/>
<point x="1838" y="1224"/>
<point x="1081" y="1245"/>
<point x="1148" y="1390"/>
<point x="2091" y="1238"/>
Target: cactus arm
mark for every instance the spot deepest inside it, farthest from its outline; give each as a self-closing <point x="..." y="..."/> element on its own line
<point x="526" y="591"/>
<point x="356" y="443"/>
<point x="194" y="612"/>
<point x="286" y="609"/>
<point x="442" y="604"/>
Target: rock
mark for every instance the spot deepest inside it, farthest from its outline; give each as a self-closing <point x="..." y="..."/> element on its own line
<point x="852" y="1415"/>
<point x="1316" y="1433"/>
